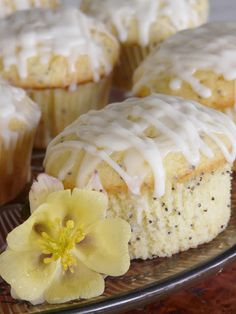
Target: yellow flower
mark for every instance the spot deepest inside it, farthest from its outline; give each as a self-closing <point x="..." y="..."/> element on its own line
<point x="65" y="248"/>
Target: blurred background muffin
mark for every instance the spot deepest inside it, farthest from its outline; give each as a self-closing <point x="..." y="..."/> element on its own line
<point x="140" y="25"/>
<point x="62" y="58"/>
<point x="161" y="161"/>
<point x="198" y="64"/>
<point x="19" y="117"/>
<point x="9" y="6"/>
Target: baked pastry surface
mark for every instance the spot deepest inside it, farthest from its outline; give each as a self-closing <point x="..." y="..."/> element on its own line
<point x="54" y="48"/>
<point x="145" y="152"/>
<point x="141" y="25"/>
<point x="19" y="117"/>
<point x="196" y="64"/>
<point x="149" y="21"/>
<point x="64" y="61"/>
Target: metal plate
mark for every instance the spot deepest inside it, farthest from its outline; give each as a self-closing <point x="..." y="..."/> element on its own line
<point x="144" y="281"/>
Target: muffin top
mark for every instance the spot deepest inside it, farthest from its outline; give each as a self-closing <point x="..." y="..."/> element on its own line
<point x="54" y="48"/>
<point x="17" y="112"/>
<point x="140" y="142"/>
<point x="142" y="21"/>
<point x="182" y="58"/>
<point x="9" y="6"/>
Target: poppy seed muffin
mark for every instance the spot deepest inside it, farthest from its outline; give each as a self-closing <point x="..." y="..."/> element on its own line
<point x="196" y="64"/>
<point x="62" y="58"/>
<point x="19" y="117"/>
<point x="161" y="161"/>
<point x="140" y="25"/>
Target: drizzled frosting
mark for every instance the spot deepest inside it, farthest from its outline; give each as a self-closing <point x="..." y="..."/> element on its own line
<point x="145" y="12"/>
<point x="65" y="32"/>
<point x="210" y="47"/>
<point x="176" y="125"/>
<point x="8" y="7"/>
<point x="14" y="104"/>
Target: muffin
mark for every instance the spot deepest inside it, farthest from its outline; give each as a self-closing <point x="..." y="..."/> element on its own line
<point x="164" y="162"/>
<point x="19" y="117"/>
<point x="142" y="25"/>
<point x="62" y="58"/>
<point x="9" y="6"/>
<point x="196" y="64"/>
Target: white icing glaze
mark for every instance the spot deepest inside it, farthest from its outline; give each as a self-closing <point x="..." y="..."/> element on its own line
<point x="177" y="126"/>
<point x="14" y="104"/>
<point x="65" y="32"/>
<point x="145" y="12"/>
<point x="231" y="111"/>
<point x="7" y="8"/>
<point x="210" y="47"/>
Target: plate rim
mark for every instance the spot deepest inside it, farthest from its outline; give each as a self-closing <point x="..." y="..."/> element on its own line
<point x="154" y="290"/>
<point x="148" y="293"/>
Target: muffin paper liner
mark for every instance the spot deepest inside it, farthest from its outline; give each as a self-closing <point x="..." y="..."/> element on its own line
<point x="130" y="58"/>
<point x="15" y="158"/>
<point x="60" y="107"/>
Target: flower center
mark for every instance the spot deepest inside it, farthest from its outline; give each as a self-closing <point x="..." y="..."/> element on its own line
<point x="61" y="244"/>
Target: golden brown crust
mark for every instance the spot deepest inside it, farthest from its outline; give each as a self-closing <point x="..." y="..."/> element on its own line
<point x="160" y="29"/>
<point x="223" y="92"/>
<point x="56" y="73"/>
<point x="176" y="167"/>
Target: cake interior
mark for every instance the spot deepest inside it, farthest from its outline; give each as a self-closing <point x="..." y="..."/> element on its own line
<point x="189" y="214"/>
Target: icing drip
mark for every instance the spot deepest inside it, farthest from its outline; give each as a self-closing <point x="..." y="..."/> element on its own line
<point x="146" y="130"/>
<point x="8" y="8"/>
<point x="14" y="104"/>
<point x="231" y="111"/>
<point x="210" y="47"/>
<point x="120" y="13"/>
<point x="39" y="32"/>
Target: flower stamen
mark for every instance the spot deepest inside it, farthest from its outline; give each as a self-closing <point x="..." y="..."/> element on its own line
<point x="61" y="243"/>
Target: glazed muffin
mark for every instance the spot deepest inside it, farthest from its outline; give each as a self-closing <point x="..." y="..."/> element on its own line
<point x="141" y="25"/>
<point x="9" y="6"/>
<point x="165" y="164"/>
<point x="19" y="117"/>
<point x="196" y="64"/>
<point x="62" y="58"/>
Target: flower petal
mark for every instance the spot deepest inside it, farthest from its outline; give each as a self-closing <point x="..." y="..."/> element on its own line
<point x="84" y="207"/>
<point x="82" y="283"/>
<point x="88" y="207"/>
<point x="26" y="273"/>
<point x="105" y="248"/>
<point x="27" y="236"/>
<point x="22" y="238"/>
<point x="59" y="204"/>
<point x="55" y="210"/>
<point x="41" y="188"/>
